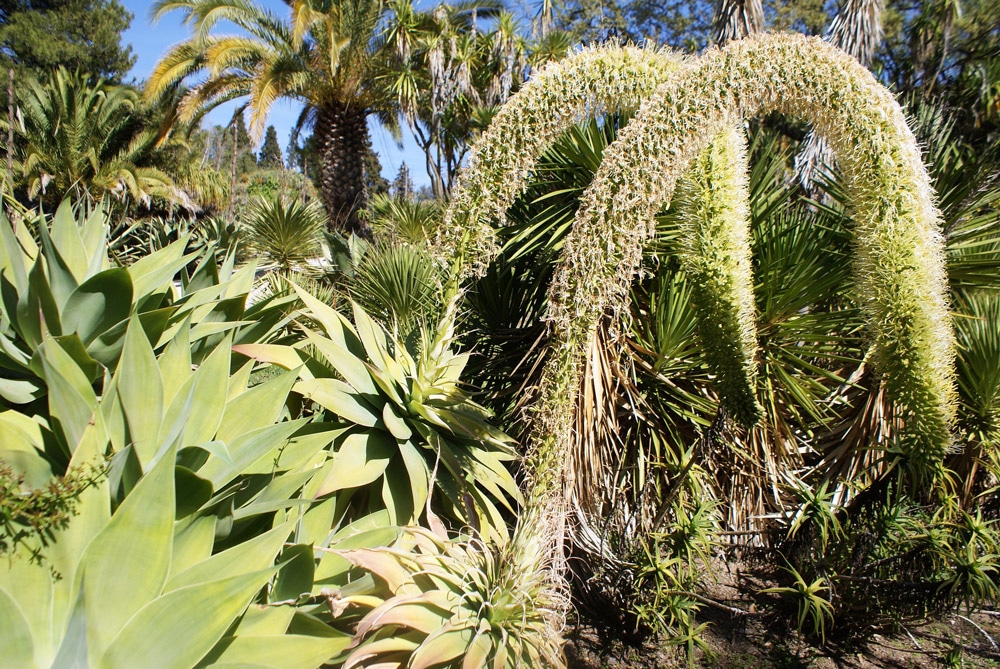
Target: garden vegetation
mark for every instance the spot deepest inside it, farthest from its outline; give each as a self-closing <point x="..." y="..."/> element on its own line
<point x="249" y="421"/>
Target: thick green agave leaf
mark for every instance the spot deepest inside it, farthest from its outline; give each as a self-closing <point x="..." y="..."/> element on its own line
<point x="114" y="588"/>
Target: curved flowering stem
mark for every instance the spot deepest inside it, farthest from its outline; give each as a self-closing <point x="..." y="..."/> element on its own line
<point x="899" y="262"/>
<point x="716" y="203"/>
<point x="589" y="83"/>
<point x="712" y="201"/>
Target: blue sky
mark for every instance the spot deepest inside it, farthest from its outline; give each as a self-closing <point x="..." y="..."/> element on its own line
<point x="150" y="41"/>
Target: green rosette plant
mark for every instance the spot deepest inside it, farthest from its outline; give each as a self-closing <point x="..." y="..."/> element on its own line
<point x="202" y="527"/>
<point x="410" y="428"/>
<point x="66" y="287"/>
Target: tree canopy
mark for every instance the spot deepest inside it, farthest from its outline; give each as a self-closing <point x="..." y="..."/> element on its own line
<point x="85" y="35"/>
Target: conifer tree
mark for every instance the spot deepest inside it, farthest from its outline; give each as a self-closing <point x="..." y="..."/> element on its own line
<point x="270" y="157"/>
<point x="402" y="185"/>
<point x="80" y="35"/>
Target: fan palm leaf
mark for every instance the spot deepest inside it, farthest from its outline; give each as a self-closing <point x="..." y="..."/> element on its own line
<point x="288" y="234"/>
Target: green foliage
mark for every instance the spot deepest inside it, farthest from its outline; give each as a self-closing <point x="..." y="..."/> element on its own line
<point x="398" y="284"/>
<point x="813" y="608"/>
<point x="81" y="35"/>
<point x="453" y="604"/>
<point x="72" y="135"/>
<point x="817" y="512"/>
<point x="64" y="301"/>
<point x="411" y="430"/>
<point x="286" y="233"/>
<point x="668" y="568"/>
<point x="979" y="368"/>
<point x="134" y="239"/>
<point x="116" y="612"/>
<point x="404" y="219"/>
<point x="204" y="493"/>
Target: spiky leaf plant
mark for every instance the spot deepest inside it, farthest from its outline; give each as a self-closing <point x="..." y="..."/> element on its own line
<point x="411" y="429"/>
<point x="209" y="498"/>
<point x="455" y="604"/>
<point x="405" y="219"/>
<point x="813" y="607"/>
<point x="286" y="233"/>
<point x="398" y="284"/>
<point x="65" y="291"/>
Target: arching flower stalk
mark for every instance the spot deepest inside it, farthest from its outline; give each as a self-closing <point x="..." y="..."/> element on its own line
<point x="899" y="258"/>
<point x="589" y="83"/>
<point x="899" y="250"/>
<point x="602" y="80"/>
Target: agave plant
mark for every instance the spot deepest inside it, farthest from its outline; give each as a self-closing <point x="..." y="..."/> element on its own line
<point x="171" y="587"/>
<point x="451" y="604"/>
<point x="411" y="430"/>
<point x="65" y="288"/>
<point x="899" y="256"/>
<point x="208" y="497"/>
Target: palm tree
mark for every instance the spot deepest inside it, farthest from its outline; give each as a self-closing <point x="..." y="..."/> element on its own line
<point x="325" y="55"/>
<point x="71" y="135"/>
<point x="857" y="29"/>
<point x="450" y="73"/>
<point x="736" y="19"/>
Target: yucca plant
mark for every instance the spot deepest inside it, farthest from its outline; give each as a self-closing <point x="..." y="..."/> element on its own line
<point x="404" y="219"/>
<point x="287" y="234"/>
<point x="399" y="285"/>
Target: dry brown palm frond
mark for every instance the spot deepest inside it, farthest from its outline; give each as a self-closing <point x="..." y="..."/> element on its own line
<point x="853" y="449"/>
<point x="596" y="442"/>
<point x="747" y="468"/>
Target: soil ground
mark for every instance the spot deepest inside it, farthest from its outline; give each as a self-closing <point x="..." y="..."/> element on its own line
<point x="951" y="641"/>
<point x="766" y="637"/>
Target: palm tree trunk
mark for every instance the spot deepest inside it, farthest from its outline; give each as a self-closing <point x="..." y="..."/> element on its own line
<point x="857" y="29"/>
<point x="736" y="19"/>
<point x="342" y="134"/>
